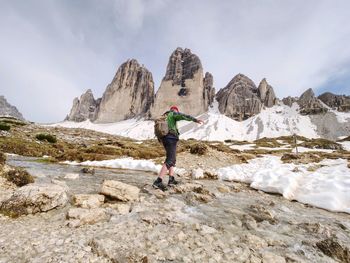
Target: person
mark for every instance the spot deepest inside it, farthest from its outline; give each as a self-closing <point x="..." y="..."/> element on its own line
<point x="169" y="142"/>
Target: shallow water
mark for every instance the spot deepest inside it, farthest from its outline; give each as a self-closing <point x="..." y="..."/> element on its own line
<point x="87" y="183"/>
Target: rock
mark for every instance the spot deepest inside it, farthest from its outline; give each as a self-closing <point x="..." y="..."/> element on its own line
<point x="266" y="94"/>
<point x="88" y="200"/>
<point x="209" y="90"/>
<point x="85" y="108"/>
<point x="7" y="110"/>
<point x="223" y="189"/>
<point x="207" y="230"/>
<point x="122" y="209"/>
<point x="254" y="241"/>
<point x="88" y="170"/>
<point x="6" y="189"/>
<point x="239" y="100"/>
<point x="260" y="213"/>
<point x="71" y="176"/>
<point x="60" y="183"/>
<point x="197" y="173"/>
<point x="184" y="85"/>
<point x="33" y="198"/>
<point x="130" y="94"/>
<point x="269" y="257"/>
<point x="309" y="104"/>
<point x="289" y="100"/>
<point x="80" y="216"/>
<point x="337" y="102"/>
<point x="120" y="191"/>
<point x="333" y="248"/>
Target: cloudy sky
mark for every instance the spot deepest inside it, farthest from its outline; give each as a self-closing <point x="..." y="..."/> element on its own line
<point x="52" y="51"/>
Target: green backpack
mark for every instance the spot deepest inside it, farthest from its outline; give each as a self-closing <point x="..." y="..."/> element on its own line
<point x="161" y="127"/>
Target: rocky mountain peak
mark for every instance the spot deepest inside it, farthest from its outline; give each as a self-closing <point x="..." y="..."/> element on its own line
<point x="184" y="85"/>
<point x="182" y="65"/>
<point x="309" y="104"/>
<point x="337" y="102"/>
<point x="130" y="93"/>
<point x="239" y="99"/>
<point x="266" y="93"/>
<point x="84" y="108"/>
<point x="7" y="110"/>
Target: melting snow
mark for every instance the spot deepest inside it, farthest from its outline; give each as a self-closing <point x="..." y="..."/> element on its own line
<point x="280" y="120"/>
<point x="327" y="187"/>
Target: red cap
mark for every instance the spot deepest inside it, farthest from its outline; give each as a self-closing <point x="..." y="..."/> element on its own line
<point x="174" y="108"/>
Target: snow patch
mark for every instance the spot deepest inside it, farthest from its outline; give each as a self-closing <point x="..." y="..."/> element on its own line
<point x="327" y="187"/>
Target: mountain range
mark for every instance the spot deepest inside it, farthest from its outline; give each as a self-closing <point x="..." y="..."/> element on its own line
<point x="131" y="101"/>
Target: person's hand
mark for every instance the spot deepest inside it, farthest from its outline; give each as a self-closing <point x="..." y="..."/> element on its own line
<point x="200" y="122"/>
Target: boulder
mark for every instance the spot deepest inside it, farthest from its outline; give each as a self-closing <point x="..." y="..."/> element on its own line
<point x="80" y="216"/>
<point x="7" y="110"/>
<point x="130" y="94"/>
<point x="88" y="200"/>
<point x="34" y="198"/>
<point x="120" y="191"/>
<point x="184" y="85"/>
<point x="239" y="100"/>
<point x="84" y="108"/>
<point x="337" y="102"/>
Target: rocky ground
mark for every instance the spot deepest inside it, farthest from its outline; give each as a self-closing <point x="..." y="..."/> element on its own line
<point x="67" y="216"/>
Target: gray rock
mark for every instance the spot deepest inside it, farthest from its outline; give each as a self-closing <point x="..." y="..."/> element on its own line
<point x="120" y="191"/>
<point x="7" y="110"/>
<point x="289" y="100"/>
<point x="130" y="94"/>
<point x="88" y="200"/>
<point x="266" y="94"/>
<point x="309" y="104"/>
<point x="239" y="99"/>
<point x="184" y="85"/>
<point x="32" y="198"/>
<point x="80" y="216"/>
<point x="337" y="102"/>
<point x="84" y="108"/>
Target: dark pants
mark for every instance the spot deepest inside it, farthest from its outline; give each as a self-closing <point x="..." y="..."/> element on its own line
<point x="170" y="144"/>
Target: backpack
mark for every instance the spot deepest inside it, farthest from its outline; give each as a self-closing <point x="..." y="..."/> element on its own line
<point x="161" y="127"/>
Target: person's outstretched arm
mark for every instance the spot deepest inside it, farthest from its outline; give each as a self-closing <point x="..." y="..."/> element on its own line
<point x="181" y="116"/>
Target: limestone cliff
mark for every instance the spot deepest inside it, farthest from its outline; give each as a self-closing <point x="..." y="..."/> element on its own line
<point x="184" y="85"/>
<point x="130" y="94"/>
<point x="84" y="108"/>
<point x="337" y="102"/>
<point x="7" y="110"/>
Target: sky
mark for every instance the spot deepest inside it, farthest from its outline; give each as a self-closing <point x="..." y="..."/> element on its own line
<point x="52" y="51"/>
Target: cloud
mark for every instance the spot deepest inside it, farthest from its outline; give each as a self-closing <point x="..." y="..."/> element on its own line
<point x="52" y="51"/>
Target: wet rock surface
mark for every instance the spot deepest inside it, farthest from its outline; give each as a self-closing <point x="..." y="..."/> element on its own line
<point x="236" y="224"/>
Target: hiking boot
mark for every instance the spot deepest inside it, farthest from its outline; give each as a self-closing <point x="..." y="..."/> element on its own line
<point x="172" y="181"/>
<point x="158" y="184"/>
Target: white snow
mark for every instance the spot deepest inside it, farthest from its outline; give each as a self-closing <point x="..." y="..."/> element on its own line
<point x="304" y="149"/>
<point x="242" y="147"/>
<point x="280" y="120"/>
<point x="138" y="129"/>
<point x="342" y="117"/>
<point x="327" y="187"/>
<point x="122" y="163"/>
<point x="126" y="163"/>
<point x="346" y="145"/>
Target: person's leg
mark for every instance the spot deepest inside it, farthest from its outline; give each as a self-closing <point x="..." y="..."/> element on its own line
<point x="173" y="147"/>
<point x="158" y="183"/>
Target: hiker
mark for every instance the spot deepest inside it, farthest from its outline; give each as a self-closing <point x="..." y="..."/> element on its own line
<point x="169" y="141"/>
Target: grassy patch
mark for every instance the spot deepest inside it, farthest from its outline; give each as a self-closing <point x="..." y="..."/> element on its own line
<point x="19" y="177"/>
<point x="320" y="143"/>
<point x="2" y="158"/>
<point x="4" y="126"/>
<point x="267" y="142"/>
<point x="198" y="148"/>
<point x="46" y="137"/>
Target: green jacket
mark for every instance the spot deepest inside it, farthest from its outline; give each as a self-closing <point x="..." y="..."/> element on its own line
<point x="173" y="117"/>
